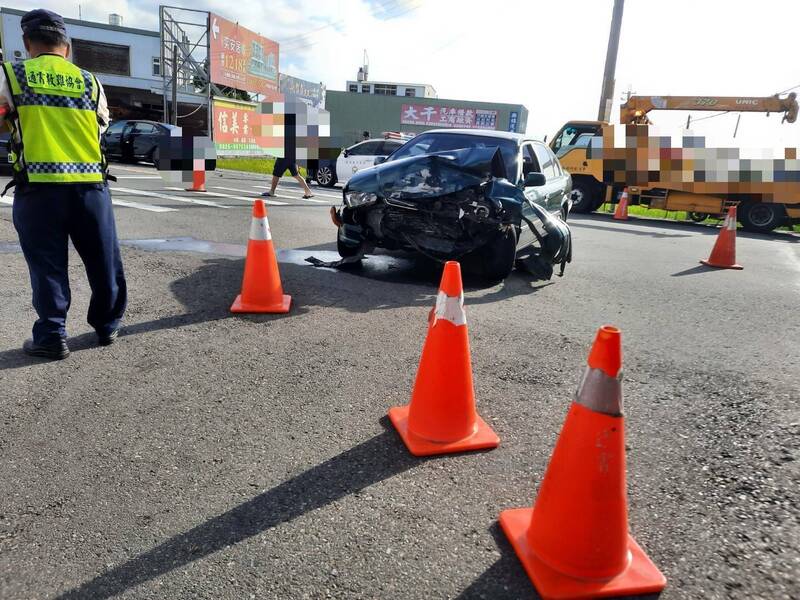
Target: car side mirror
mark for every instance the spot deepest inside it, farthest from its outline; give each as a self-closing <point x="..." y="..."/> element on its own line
<point x="535" y="180"/>
<point x="378" y="160"/>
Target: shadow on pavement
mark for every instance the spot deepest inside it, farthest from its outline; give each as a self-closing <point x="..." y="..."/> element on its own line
<point x="382" y="282"/>
<point x="694" y="271"/>
<point x="702" y="228"/>
<point x="654" y="234"/>
<point x="373" y="461"/>
<point x="506" y="578"/>
<point x="206" y="294"/>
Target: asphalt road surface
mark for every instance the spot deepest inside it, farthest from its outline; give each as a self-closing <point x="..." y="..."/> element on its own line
<point x="207" y="455"/>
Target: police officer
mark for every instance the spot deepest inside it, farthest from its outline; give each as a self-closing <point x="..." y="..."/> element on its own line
<point x="57" y="113"/>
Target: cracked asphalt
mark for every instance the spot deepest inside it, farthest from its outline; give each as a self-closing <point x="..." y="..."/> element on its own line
<point x="207" y="455"/>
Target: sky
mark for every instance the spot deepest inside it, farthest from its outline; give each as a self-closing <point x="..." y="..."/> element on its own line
<point x="547" y="55"/>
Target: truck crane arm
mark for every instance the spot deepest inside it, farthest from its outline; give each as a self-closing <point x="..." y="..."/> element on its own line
<point x="635" y="110"/>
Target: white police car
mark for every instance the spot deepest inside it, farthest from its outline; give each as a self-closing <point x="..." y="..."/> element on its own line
<point x="353" y="159"/>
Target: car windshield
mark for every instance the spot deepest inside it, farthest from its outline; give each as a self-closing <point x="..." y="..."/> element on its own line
<point x="441" y="142"/>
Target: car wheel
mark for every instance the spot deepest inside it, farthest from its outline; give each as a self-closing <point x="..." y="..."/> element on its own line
<point x="760" y="217"/>
<point x="153" y="157"/>
<point x="499" y="256"/>
<point x="326" y="177"/>
<point x="584" y="196"/>
<point x="344" y="250"/>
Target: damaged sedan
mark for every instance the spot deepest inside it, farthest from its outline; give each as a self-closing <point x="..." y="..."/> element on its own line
<point x="491" y="200"/>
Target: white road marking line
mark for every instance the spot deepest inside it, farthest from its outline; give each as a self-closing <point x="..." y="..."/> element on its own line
<point x="140" y="206"/>
<point x="138" y="177"/>
<point x="244" y="198"/>
<point x="168" y="197"/>
<point x="8" y="201"/>
<point x="114" y="166"/>
<point x="332" y="195"/>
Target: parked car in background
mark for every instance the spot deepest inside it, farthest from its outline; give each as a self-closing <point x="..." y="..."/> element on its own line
<point x="5" y="165"/>
<point x="352" y="160"/>
<point x="490" y="199"/>
<point x="132" y="140"/>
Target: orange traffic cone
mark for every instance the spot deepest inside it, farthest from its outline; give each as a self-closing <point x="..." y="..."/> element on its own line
<point x="261" y="287"/>
<point x="574" y="542"/>
<point x="723" y="255"/>
<point x="441" y="418"/>
<point x="198" y="182"/>
<point x="621" y="212"/>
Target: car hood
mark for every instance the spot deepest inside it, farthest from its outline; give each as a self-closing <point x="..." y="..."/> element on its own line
<point x="430" y="175"/>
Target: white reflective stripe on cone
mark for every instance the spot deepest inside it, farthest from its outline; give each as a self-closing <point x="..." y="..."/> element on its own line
<point x="600" y="393"/>
<point x="450" y="308"/>
<point x="259" y="229"/>
<point x="730" y="223"/>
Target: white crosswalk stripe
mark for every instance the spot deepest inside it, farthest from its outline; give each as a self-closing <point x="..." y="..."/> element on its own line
<point x="169" y="197"/>
<point x="8" y="201"/>
<point x="243" y="198"/>
<point x="318" y="193"/>
<point x="141" y="206"/>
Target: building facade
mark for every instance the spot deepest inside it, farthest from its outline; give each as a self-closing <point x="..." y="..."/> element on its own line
<point x="392" y="88"/>
<point x="352" y="114"/>
<point x="125" y="60"/>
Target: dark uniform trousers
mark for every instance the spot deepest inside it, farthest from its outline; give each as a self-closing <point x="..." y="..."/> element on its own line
<point x="46" y="216"/>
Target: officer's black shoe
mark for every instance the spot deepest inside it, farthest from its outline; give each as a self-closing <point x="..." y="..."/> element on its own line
<point x="54" y="351"/>
<point x="109" y="338"/>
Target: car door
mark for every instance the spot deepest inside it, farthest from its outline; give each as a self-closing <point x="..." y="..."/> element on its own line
<point x="113" y="138"/>
<point x="552" y="192"/>
<point x="144" y="136"/>
<point x="534" y="195"/>
<point x="126" y="141"/>
<point x="360" y="156"/>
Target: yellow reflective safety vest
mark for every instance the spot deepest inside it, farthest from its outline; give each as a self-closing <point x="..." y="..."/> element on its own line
<point x="56" y="120"/>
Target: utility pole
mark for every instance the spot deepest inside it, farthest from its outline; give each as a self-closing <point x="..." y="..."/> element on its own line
<point x="174" y="119"/>
<point x="607" y="93"/>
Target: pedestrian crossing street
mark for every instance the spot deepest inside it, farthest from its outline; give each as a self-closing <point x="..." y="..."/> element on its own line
<point x="130" y="191"/>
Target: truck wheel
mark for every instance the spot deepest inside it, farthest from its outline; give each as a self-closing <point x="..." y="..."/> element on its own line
<point x="498" y="257"/>
<point x="584" y="196"/>
<point x="326" y="177"/>
<point x="761" y="217"/>
<point x="698" y="217"/>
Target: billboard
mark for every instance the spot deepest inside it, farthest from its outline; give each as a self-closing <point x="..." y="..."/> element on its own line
<point x="300" y="90"/>
<point x="237" y="128"/>
<point x="242" y="59"/>
<point x="448" y="116"/>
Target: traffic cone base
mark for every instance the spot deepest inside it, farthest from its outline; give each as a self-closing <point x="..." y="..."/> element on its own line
<point x="640" y="577"/>
<point x="243" y="307"/>
<point x="721" y="266"/>
<point x="482" y="437"/>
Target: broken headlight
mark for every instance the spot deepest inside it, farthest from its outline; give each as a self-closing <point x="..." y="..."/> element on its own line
<point x="354" y="199"/>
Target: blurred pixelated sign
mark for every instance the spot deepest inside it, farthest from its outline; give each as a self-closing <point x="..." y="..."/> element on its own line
<point x="237" y="128"/>
<point x="448" y="116"/>
<point x="300" y="90"/>
<point x="513" y="121"/>
<point x="242" y="59"/>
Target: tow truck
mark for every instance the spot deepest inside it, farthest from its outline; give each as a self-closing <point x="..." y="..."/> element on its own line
<point x="763" y="204"/>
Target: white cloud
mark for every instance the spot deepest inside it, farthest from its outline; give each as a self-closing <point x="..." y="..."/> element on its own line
<point x="548" y="55"/>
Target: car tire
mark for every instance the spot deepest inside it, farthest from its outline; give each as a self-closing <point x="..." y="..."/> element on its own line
<point x="499" y="256"/>
<point x="344" y="250"/>
<point x="760" y="217"/>
<point x="325" y="176"/>
<point x="153" y="157"/>
<point x="584" y="196"/>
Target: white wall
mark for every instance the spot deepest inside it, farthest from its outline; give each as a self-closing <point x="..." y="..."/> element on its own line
<point x="143" y="47"/>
